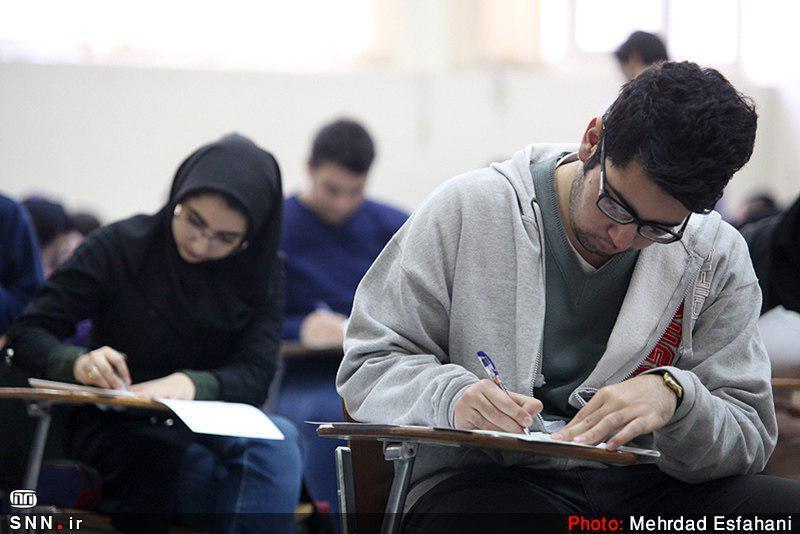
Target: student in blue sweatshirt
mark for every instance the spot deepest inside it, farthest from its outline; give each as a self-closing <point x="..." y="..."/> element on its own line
<point x="20" y="267"/>
<point x="331" y="236"/>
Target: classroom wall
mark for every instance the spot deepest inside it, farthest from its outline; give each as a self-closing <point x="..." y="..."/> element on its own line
<point x="110" y="138"/>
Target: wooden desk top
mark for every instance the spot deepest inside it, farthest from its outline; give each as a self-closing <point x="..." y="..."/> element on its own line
<point x="786" y="383"/>
<point x="77" y="397"/>
<point x="293" y="349"/>
<point x="452" y="437"/>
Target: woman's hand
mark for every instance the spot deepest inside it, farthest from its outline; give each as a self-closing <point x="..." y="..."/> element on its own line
<point x="103" y="367"/>
<point x="175" y="386"/>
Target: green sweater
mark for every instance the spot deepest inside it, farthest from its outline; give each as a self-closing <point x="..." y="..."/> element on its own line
<point x="580" y="307"/>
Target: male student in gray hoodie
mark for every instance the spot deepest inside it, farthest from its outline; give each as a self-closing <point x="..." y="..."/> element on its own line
<point x="609" y="295"/>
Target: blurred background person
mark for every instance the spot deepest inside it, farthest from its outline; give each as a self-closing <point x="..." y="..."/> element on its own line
<point x="58" y="238"/>
<point x="638" y="52"/>
<point x="756" y="207"/>
<point x="331" y="235"/>
<point x="20" y="264"/>
<point x="85" y="222"/>
<point x="54" y="230"/>
<point x="774" y="243"/>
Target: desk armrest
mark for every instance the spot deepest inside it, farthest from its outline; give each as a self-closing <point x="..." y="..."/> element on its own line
<point x="462" y="438"/>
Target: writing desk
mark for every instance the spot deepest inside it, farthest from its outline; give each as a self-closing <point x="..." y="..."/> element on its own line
<point x="785" y="383"/>
<point x="400" y="445"/>
<point x="40" y="401"/>
<point x="294" y="354"/>
<point x="294" y="349"/>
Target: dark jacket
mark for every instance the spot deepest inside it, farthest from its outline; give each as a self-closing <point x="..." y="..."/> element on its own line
<point x="20" y="267"/>
<point x="95" y="284"/>
<point x="775" y="250"/>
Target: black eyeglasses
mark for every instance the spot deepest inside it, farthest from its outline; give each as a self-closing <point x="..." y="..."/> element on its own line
<point x="621" y="213"/>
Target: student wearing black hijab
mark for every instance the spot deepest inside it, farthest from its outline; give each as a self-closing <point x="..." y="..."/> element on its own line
<point x="186" y="304"/>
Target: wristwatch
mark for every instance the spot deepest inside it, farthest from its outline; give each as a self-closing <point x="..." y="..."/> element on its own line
<point x="673" y="384"/>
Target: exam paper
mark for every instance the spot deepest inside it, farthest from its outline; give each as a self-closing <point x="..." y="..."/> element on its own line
<point x="67" y="386"/>
<point x="544" y="437"/>
<point x="224" y="418"/>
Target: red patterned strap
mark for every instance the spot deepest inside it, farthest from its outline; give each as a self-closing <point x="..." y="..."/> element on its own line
<point x="664" y="351"/>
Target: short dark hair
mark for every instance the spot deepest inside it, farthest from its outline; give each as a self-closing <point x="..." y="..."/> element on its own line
<point x="687" y="127"/>
<point x="345" y="142"/>
<point x="49" y="218"/>
<point x="648" y="46"/>
<point x="85" y="222"/>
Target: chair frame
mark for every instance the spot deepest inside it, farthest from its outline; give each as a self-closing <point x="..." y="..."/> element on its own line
<point x="402" y="454"/>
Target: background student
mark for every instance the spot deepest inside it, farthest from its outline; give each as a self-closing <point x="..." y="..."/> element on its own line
<point x="639" y="51"/>
<point x="185" y="304"/>
<point x="54" y="231"/>
<point x="774" y="244"/>
<point x="331" y="235"/>
<point x="20" y="265"/>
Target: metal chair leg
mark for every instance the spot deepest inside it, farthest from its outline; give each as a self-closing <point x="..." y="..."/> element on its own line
<point x="42" y="412"/>
<point x="402" y="454"/>
<point x="346" y="490"/>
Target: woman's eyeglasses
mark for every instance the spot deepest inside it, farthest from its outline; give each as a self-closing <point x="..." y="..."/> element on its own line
<point x="199" y="228"/>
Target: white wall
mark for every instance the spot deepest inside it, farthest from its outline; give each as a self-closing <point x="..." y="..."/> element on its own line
<point x="110" y="138"/>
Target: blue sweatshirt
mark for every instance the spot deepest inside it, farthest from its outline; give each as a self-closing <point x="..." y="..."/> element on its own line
<point x="20" y="264"/>
<point x="325" y="263"/>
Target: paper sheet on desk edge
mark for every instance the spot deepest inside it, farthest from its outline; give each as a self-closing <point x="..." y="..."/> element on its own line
<point x="224" y="419"/>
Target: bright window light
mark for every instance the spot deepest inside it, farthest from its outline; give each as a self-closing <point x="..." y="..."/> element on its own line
<point x="601" y="26"/>
<point x="703" y="31"/>
<point x="299" y="35"/>
<point x="767" y="36"/>
<point x="553" y="29"/>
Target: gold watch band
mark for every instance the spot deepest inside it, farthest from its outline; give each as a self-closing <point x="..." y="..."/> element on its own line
<point x="672" y="384"/>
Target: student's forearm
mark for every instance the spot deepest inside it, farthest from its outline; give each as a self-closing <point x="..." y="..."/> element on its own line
<point x="60" y="363"/>
<point x="206" y="385"/>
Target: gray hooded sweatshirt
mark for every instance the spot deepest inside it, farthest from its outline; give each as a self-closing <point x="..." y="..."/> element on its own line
<point x="466" y="273"/>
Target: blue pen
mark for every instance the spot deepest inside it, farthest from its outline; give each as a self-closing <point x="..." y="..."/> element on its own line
<point x="494" y="376"/>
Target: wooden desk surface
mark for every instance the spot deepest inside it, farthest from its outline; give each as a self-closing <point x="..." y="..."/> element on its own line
<point x="293" y="349"/>
<point x="77" y="397"/>
<point x="452" y="437"/>
<point x="786" y="383"/>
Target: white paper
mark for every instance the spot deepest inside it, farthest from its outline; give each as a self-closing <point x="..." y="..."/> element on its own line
<point x="224" y="419"/>
<point x="66" y="386"/>
<point x="546" y="438"/>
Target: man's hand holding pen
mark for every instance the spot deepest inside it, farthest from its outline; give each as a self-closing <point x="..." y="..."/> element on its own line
<point x="484" y="406"/>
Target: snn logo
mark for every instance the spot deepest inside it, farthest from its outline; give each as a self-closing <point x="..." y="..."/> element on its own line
<point x="23" y="498"/>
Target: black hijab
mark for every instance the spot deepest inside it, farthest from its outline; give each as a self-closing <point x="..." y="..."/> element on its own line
<point x="221" y="295"/>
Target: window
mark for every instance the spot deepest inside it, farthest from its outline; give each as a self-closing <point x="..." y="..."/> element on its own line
<point x="300" y="35"/>
<point x="602" y="26"/>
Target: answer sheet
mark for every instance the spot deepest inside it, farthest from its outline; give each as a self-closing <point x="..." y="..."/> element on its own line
<point x="224" y="418"/>
<point x="544" y="437"/>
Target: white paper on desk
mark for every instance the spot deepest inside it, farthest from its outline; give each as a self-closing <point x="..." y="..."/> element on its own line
<point x="224" y="419"/>
<point x="67" y="386"/>
<point x="545" y="438"/>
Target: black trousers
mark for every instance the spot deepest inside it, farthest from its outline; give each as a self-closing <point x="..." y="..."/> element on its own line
<point x="137" y="457"/>
<point x="486" y="497"/>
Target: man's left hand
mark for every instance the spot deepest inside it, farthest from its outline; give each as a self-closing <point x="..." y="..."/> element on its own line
<point x="629" y="409"/>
